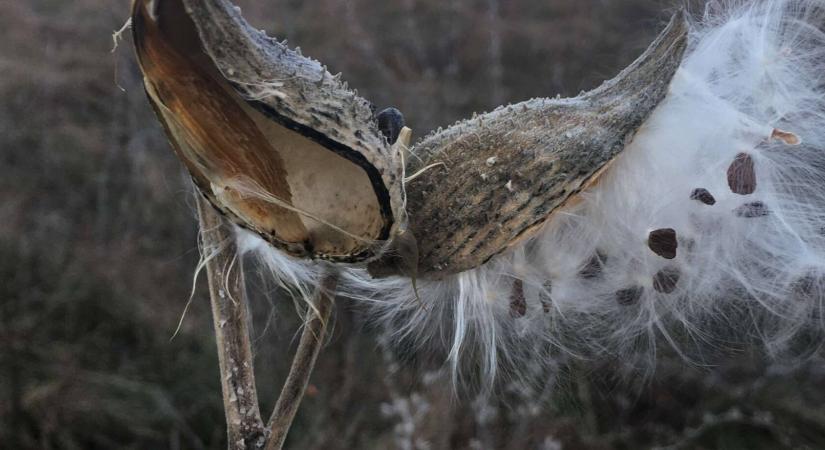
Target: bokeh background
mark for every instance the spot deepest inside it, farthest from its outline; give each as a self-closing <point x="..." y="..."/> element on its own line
<point x="98" y="248"/>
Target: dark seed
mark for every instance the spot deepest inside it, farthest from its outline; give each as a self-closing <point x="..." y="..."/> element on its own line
<point x="630" y="296"/>
<point x="594" y="267"/>
<point x="390" y="122"/>
<point x="518" y="303"/>
<point x="545" y="297"/>
<point x="665" y="280"/>
<point x="703" y="195"/>
<point x="742" y="175"/>
<point x="663" y="242"/>
<point x="751" y="210"/>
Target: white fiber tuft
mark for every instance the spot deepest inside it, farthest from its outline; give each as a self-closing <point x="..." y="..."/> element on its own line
<point x="747" y="211"/>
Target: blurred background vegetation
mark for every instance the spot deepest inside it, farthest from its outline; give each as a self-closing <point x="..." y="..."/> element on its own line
<point x="98" y="247"/>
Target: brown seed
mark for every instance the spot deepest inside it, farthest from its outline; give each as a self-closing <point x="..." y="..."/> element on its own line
<point x="594" y="267"/>
<point x="665" y="280"/>
<point x="545" y="296"/>
<point x="518" y="303"/>
<point x="787" y="137"/>
<point x="629" y="296"/>
<point x="751" y="210"/>
<point x="663" y="242"/>
<point x="703" y="195"/>
<point x="742" y="175"/>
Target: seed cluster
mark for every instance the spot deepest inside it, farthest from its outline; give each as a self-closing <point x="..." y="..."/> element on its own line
<point x="664" y="242"/>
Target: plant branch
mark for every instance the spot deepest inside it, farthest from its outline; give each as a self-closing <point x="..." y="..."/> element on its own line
<point x="230" y="316"/>
<point x="312" y="339"/>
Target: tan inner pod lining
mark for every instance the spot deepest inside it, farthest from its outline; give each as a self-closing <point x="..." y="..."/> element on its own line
<point x="281" y="162"/>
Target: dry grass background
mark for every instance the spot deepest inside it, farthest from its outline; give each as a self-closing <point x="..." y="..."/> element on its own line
<point x="97" y="249"/>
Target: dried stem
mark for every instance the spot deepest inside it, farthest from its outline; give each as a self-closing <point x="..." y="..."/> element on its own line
<point x="312" y="339"/>
<point x="230" y="315"/>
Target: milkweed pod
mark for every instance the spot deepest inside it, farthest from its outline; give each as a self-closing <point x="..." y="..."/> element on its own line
<point x="499" y="177"/>
<point x="271" y="139"/>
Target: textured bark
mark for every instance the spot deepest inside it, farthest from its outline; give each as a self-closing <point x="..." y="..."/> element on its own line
<point x="312" y="339"/>
<point x="245" y="429"/>
<point x="230" y="316"/>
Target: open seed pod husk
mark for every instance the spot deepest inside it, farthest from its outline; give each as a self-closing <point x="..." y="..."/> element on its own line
<point x="270" y="137"/>
<point x="288" y="151"/>
<point x="491" y="182"/>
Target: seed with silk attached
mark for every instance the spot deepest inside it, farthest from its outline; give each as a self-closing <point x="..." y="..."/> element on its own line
<point x="663" y="242"/>
<point x="742" y="175"/>
<point x="703" y="195"/>
<point x="665" y="280"/>
<point x="629" y="296"/>
<point x="545" y="296"/>
<point x="518" y="303"/>
<point x="594" y="266"/>
<point x="785" y="136"/>
<point x="752" y="210"/>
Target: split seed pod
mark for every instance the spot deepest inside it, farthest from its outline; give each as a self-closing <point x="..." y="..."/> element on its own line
<point x="271" y="139"/>
<point x="497" y="178"/>
<point x="285" y="149"/>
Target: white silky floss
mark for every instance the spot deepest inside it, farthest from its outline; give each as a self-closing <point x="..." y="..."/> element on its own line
<point x="748" y="266"/>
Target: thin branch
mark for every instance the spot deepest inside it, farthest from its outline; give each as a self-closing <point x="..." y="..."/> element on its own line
<point x="230" y="315"/>
<point x="312" y="339"/>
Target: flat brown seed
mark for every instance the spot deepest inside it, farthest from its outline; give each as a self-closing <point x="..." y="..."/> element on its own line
<point x="742" y="175"/>
<point x="546" y="297"/>
<point x="785" y="136"/>
<point x="518" y="303"/>
<point x="663" y="242"/>
<point x="665" y="280"/>
<point x="752" y="210"/>
<point x="629" y="296"/>
<point x="594" y="266"/>
<point x="703" y="195"/>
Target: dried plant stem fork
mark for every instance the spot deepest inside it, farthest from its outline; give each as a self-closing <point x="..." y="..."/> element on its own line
<point x="230" y="314"/>
<point x="312" y="338"/>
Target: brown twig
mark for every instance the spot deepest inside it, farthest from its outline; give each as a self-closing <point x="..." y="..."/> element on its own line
<point x="312" y="339"/>
<point x="230" y="315"/>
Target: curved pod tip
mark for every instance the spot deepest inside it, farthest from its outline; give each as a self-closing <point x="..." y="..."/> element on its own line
<point x="511" y="169"/>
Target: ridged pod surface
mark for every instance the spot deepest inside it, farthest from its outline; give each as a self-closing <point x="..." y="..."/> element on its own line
<point x="288" y="151"/>
<point x="496" y="178"/>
